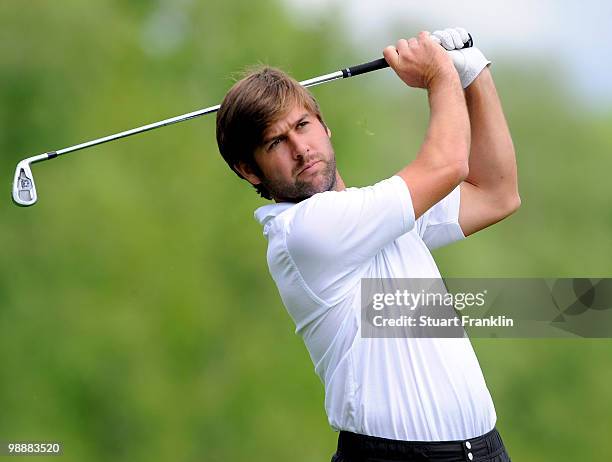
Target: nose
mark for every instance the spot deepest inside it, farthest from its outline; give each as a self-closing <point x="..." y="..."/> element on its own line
<point x="299" y="146"/>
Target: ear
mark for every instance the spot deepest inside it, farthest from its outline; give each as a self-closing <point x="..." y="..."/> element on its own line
<point x="247" y="172"/>
<point x="327" y="130"/>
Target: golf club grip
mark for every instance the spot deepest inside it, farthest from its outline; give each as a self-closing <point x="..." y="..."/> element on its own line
<point x="381" y="64"/>
<point x="365" y="67"/>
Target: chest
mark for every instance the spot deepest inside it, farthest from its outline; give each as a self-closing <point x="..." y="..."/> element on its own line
<point x="406" y="257"/>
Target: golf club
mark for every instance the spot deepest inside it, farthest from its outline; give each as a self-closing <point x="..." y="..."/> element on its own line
<point x="24" y="188"/>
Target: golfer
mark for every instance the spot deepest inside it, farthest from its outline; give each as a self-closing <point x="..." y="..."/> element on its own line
<point x="391" y="399"/>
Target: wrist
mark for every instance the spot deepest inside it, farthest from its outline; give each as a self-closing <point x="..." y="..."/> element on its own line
<point x="445" y="78"/>
<point x="483" y="80"/>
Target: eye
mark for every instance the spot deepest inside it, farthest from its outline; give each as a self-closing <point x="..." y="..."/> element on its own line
<point x="274" y="143"/>
<point x="303" y="123"/>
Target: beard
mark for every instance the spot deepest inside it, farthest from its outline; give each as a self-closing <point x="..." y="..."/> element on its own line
<point x="299" y="190"/>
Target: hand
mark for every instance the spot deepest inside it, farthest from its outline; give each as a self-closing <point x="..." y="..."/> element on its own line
<point x="469" y="62"/>
<point x="419" y="61"/>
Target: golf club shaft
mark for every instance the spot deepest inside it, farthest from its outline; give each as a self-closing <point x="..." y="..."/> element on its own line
<point x="342" y="74"/>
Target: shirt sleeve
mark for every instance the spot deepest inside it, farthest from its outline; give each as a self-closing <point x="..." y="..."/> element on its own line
<point x="332" y="234"/>
<point x="439" y="226"/>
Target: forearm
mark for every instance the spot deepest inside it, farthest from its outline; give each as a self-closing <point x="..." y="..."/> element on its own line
<point x="448" y="135"/>
<point x="492" y="163"/>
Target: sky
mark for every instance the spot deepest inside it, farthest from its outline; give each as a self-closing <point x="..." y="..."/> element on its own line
<point x="575" y="36"/>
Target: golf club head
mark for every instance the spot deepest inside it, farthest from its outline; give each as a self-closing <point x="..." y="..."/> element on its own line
<point x="24" y="190"/>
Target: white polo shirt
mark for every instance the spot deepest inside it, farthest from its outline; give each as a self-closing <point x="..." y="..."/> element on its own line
<point x="414" y="389"/>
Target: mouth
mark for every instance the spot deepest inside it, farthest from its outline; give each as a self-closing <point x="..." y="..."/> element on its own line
<point x="308" y="167"/>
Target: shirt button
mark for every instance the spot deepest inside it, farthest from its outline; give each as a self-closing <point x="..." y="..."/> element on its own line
<point x="470" y="456"/>
<point x="468" y="445"/>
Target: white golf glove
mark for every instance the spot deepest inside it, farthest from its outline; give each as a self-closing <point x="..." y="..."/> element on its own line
<point x="469" y="62"/>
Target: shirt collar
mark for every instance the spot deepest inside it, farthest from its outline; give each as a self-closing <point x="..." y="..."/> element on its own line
<point x="267" y="212"/>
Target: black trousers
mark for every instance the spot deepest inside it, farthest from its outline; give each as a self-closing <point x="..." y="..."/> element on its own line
<point x="361" y="448"/>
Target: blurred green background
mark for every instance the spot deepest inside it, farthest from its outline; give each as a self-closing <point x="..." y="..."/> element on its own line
<point x="138" y="321"/>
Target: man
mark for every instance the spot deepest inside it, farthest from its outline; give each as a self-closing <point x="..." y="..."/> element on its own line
<point x="390" y="398"/>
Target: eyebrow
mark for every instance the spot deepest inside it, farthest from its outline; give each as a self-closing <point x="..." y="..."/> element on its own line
<point x="269" y="138"/>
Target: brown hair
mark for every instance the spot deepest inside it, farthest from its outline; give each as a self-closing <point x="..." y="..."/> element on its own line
<point x="261" y="98"/>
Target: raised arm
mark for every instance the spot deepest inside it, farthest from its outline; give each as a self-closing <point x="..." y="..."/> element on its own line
<point x="490" y="191"/>
<point x="442" y="162"/>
